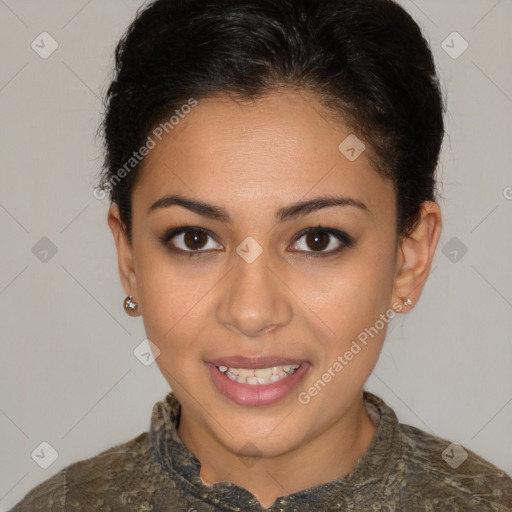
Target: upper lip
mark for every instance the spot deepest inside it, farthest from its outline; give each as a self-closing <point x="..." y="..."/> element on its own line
<point x="254" y="362"/>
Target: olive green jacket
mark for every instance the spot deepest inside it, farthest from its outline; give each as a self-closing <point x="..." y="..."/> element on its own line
<point x="404" y="469"/>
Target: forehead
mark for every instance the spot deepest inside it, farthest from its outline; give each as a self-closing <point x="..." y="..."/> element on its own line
<point x="277" y="149"/>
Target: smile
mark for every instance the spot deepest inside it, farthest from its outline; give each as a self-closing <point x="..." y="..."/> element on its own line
<point x="256" y="382"/>
<point x="259" y="376"/>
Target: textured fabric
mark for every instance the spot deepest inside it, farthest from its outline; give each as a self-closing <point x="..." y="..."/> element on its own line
<point x="402" y="470"/>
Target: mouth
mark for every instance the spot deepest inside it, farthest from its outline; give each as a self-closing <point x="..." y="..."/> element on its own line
<point x="256" y="381"/>
<point x="259" y="376"/>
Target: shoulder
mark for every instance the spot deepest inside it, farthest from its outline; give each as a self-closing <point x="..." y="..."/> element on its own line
<point x="98" y="483"/>
<point x="450" y="475"/>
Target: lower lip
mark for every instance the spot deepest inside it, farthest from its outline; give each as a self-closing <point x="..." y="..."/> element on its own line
<point x="258" y="394"/>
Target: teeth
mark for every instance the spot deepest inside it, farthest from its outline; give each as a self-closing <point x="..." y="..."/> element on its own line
<point x="263" y="372"/>
<point x="259" y="376"/>
<point x="244" y="372"/>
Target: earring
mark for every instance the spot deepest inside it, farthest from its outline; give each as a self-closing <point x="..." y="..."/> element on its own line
<point x="130" y="307"/>
<point x="407" y="302"/>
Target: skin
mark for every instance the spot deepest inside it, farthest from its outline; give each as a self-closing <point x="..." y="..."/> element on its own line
<point x="253" y="159"/>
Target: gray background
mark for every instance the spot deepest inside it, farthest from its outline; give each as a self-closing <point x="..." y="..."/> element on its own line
<point x="68" y="373"/>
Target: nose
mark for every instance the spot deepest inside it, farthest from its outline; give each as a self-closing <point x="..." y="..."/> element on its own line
<point x="254" y="301"/>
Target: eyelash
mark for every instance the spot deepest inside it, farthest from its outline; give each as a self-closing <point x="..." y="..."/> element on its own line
<point x="345" y="239"/>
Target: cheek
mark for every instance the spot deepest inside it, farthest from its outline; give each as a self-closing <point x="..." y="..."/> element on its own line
<point x="351" y="305"/>
<point x="352" y="296"/>
<point x="351" y="302"/>
<point x="169" y="297"/>
<point x="172" y="316"/>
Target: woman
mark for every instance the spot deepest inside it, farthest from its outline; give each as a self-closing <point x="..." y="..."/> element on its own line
<point x="271" y="166"/>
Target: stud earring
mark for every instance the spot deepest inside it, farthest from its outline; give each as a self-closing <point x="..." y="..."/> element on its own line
<point x="130" y="307"/>
<point x="407" y="302"/>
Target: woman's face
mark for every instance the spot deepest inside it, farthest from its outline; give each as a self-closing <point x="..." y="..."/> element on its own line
<point x="250" y="290"/>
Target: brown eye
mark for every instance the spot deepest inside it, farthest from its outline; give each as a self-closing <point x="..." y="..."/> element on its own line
<point x="195" y="240"/>
<point x="189" y="240"/>
<point x="320" y="241"/>
<point x="317" y="241"/>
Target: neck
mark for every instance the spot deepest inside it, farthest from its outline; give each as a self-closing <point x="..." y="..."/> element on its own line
<point x="323" y="458"/>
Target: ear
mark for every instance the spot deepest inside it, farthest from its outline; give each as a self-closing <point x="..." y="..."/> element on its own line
<point x="415" y="254"/>
<point x="124" y="253"/>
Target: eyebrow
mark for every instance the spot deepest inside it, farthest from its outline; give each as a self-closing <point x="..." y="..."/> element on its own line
<point x="290" y="212"/>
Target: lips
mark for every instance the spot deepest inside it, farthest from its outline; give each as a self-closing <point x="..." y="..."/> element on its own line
<point x="230" y="377"/>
